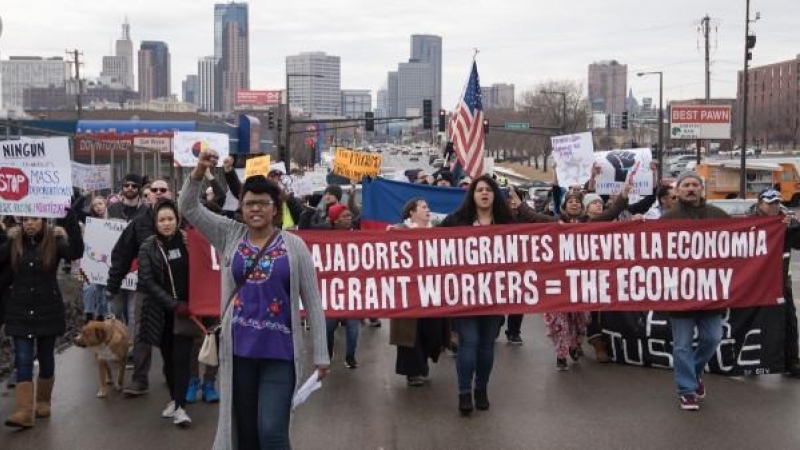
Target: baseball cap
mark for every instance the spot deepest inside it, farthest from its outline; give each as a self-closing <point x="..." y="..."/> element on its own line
<point x="770" y="196"/>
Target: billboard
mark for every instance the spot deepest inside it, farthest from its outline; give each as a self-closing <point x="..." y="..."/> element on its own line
<point x="700" y="122"/>
<point x="258" y="98"/>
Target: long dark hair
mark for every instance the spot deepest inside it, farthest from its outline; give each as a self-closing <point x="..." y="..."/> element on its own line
<point x="467" y="213"/>
<point x="411" y="206"/>
<point x="166" y="203"/>
<point x="49" y="249"/>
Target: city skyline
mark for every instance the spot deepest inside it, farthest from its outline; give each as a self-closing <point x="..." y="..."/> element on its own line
<point x="520" y="42"/>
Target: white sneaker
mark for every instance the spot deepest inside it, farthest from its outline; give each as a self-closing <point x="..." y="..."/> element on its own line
<point x="180" y="418"/>
<point x="169" y="411"/>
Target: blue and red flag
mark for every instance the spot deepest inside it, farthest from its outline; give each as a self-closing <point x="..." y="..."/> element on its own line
<point x="383" y="200"/>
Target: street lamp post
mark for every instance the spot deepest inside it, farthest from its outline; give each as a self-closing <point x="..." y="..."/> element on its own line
<point x="660" y="155"/>
<point x="286" y="154"/>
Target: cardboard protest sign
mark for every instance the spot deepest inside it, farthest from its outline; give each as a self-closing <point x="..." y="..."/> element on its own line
<point x="99" y="238"/>
<point x="35" y="177"/>
<point x="187" y="146"/>
<point x="573" y="155"/>
<point x="91" y="177"/>
<point x="356" y="165"/>
<point x="615" y="165"/>
<point x="256" y="166"/>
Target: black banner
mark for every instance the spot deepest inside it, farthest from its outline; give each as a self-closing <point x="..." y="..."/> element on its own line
<point x="752" y="340"/>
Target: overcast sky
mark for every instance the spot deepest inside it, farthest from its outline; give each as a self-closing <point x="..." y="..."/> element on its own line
<point x="524" y="42"/>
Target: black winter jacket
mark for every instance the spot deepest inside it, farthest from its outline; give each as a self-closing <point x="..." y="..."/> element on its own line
<point x="33" y="302"/>
<point x="127" y="249"/>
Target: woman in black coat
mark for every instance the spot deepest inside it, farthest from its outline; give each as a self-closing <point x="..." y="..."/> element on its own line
<point x="34" y="309"/>
<point x="483" y="205"/>
<point x="164" y="276"/>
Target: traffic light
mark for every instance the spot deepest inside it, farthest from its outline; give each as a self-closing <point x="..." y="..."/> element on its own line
<point x="280" y="125"/>
<point x="370" y="122"/>
<point x="271" y="119"/>
<point x="485" y="126"/>
<point x="427" y="114"/>
<point x="751" y="42"/>
<point x="624" y="124"/>
<point x="442" y="123"/>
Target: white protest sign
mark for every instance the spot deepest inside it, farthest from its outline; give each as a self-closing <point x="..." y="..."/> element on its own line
<point x="187" y="146"/>
<point x="35" y="177"/>
<point x="573" y="155"/>
<point x="99" y="238"/>
<point x="615" y="165"/>
<point x="91" y="178"/>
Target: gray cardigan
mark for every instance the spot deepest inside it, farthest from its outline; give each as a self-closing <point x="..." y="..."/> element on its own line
<point x="225" y="234"/>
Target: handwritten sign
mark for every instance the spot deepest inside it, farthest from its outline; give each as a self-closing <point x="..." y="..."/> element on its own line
<point x="256" y="166"/>
<point x="99" y="238"/>
<point x="35" y="177"/>
<point x="91" y="177"/>
<point x="573" y="154"/>
<point x="356" y="165"/>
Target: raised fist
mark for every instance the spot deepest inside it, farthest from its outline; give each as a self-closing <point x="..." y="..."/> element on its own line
<point x="622" y="161"/>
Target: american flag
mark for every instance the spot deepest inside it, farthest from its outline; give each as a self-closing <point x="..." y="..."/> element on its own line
<point x="466" y="127"/>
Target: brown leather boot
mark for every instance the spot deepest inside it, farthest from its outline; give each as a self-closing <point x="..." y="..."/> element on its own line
<point x="23" y="416"/>
<point x="44" y="389"/>
<point x="600" y="349"/>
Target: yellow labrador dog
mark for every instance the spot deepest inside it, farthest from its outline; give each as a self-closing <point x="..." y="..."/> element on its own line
<point x="109" y="341"/>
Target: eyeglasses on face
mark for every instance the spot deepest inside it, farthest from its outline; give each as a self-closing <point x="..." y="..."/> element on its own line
<point x="131" y="185"/>
<point x="253" y="204"/>
<point x="159" y="190"/>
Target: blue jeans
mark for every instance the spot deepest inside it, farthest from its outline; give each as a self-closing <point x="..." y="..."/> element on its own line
<point x="351" y="328"/>
<point x="262" y="401"/>
<point x="476" y="336"/>
<point x="26" y="349"/>
<point x="94" y="300"/>
<point x="689" y="362"/>
<point x="124" y="308"/>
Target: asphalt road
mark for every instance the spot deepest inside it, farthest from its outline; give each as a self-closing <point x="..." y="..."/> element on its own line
<point x="593" y="407"/>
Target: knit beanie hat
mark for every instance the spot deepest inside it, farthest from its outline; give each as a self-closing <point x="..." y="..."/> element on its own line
<point x="335" y="211"/>
<point x="688" y="174"/>
<point x="132" y="178"/>
<point x="334" y="190"/>
<point x="590" y="198"/>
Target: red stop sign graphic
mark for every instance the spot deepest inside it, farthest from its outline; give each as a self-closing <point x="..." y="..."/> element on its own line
<point x="13" y="184"/>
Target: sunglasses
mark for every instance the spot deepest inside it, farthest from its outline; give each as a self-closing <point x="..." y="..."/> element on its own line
<point x="159" y="190"/>
<point x="131" y="185"/>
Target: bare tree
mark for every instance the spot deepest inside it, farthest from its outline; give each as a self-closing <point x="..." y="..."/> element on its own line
<point x="558" y="105"/>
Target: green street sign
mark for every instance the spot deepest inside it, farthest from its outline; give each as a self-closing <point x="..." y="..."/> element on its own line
<point x="517" y="125"/>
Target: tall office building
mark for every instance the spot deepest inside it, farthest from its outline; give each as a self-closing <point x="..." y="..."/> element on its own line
<point x="391" y="95"/>
<point x="608" y="85"/>
<point x="206" y="81"/>
<point x="773" y="104"/>
<point x="154" y="71"/>
<point x="498" y="96"/>
<point x="428" y="49"/>
<point x="355" y="102"/>
<point x="314" y="83"/>
<point x="190" y="87"/>
<point x="21" y="72"/>
<point x="415" y="83"/>
<point x="231" y="51"/>
<point x="382" y="108"/>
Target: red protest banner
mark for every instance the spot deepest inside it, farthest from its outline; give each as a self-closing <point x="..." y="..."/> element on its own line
<point x="204" y="272"/>
<point x="532" y="268"/>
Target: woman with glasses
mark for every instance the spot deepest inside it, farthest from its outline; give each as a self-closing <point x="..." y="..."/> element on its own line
<point x="265" y="273"/>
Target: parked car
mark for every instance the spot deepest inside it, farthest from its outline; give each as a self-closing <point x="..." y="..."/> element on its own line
<point x="736" y="207"/>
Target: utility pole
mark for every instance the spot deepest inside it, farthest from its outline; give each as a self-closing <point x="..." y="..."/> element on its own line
<point x="749" y="43"/>
<point x="75" y="54"/>
<point x="706" y="24"/>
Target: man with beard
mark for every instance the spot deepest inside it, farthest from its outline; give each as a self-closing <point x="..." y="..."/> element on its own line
<point x="129" y="303"/>
<point x="689" y="361"/>
<point x="131" y="202"/>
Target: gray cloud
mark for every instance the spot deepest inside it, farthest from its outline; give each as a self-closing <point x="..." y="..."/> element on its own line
<point x="521" y="41"/>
